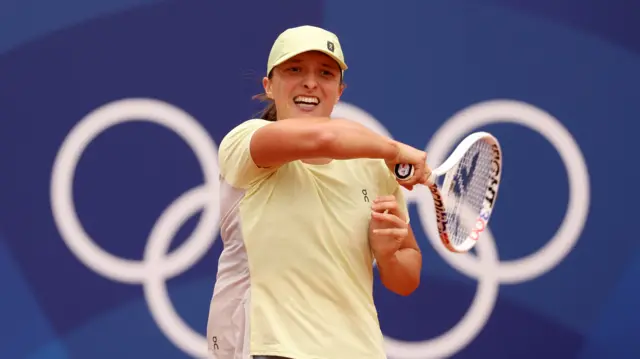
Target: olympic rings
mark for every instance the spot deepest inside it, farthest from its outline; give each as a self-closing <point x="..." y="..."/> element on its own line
<point x="488" y="269"/>
<point x="158" y="266"/>
<point x="534" y="265"/>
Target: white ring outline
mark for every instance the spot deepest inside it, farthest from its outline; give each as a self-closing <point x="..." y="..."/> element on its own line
<point x="155" y="285"/>
<point x="566" y="237"/>
<point x="156" y="266"/>
<point x="450" y="133"/>
<point x="486" y="294"/>
<point x="472" y="322"/>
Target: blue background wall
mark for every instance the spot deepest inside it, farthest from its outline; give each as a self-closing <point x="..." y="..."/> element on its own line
<point x="556" y="277"/>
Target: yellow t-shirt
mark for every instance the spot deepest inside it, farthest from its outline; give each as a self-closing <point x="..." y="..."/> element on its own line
<point x="295" y="278"/>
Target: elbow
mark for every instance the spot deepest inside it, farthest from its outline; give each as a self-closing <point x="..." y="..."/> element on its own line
<point x="404" y="285"/>
<point x="407" y="289"/>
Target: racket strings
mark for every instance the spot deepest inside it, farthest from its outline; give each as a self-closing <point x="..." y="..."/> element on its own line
<point x="466" y="190"/>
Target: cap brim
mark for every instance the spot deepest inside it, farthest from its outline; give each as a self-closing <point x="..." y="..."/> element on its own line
<point x="342" y="64"/>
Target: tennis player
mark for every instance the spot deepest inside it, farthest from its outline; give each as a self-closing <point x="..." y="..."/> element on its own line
<point x="307" y="204"/>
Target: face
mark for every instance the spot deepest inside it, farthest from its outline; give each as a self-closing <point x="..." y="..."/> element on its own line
<point x="308" y="85"/>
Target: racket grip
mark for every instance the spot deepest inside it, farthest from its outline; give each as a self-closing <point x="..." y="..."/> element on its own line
<point x="403" y="171"/>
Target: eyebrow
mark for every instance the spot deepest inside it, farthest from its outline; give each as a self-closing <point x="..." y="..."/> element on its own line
<point x="331" y="66"/>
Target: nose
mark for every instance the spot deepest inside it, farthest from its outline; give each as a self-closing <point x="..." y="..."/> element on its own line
<point x="310" y="81"/>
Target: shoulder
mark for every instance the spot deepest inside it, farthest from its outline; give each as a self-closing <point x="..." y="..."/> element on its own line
<point x="251" y="123"/>
<point x="237" y="141"/>
<point x="234" y="155"/>
<point x="245" y="128"/>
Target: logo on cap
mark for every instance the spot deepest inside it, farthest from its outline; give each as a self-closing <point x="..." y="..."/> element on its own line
<point x="330" y="46"/>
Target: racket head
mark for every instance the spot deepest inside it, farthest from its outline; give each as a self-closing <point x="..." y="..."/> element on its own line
<point x="464" y="202"/>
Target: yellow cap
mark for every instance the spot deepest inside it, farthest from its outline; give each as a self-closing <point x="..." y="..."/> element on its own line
<point x="297" y="40"/>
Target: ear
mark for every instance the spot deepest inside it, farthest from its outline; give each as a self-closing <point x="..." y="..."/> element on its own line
<point x="343" y="86"/>
<point x="266" y="84"/>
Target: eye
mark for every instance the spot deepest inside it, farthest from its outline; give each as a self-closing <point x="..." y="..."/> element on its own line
<point x="294" y="69"/>
<point x="327" y="73"/>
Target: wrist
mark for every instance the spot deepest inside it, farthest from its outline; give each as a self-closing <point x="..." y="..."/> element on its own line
<point x="394" y="152"/>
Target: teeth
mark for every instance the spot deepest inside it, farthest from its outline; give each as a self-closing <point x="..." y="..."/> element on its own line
<point x="305" y="99"/>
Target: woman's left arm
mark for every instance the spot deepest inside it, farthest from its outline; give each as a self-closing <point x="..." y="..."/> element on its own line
<point x="394" y="246"/>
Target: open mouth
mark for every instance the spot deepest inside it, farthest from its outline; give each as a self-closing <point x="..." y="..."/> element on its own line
<point x="306" y="103"/>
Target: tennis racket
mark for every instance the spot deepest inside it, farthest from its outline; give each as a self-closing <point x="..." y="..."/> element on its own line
<point x="465" y="199"/>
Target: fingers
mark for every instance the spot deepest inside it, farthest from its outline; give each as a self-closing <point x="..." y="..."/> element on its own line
<point x="382" y="203"/>
<point x="416" y="158"/>
<point x="427" y="172"/>
<point x="389" y="219"/>
<point x="386" y="204"/>
<point x="392" y="232"/>
<point x="420" y="176"/>
<point x="387" y="198"/>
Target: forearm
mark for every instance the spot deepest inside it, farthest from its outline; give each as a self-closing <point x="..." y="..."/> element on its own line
<point x="299" y="139"/>
<point x="352" y="140"/>
<point x="401" y="272"/>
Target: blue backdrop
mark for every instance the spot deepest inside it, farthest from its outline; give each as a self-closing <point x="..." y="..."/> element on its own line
<point x="110" y="112"/>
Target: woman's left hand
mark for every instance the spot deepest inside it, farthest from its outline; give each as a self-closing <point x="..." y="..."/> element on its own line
<point x="387" y="229"/>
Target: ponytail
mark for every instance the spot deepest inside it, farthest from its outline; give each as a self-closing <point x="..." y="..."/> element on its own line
<point x="269" y="113"/>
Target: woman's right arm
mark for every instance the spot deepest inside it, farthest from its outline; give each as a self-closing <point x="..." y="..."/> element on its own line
<point x="297" y="139"/>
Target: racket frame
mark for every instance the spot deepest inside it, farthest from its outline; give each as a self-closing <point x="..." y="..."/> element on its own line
<point x="405" y="171"/>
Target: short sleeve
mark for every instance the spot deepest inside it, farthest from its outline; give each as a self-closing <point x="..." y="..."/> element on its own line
<point x="236" y="164"/>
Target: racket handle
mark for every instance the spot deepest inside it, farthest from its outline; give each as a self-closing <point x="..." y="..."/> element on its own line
<point x="403" y="171"/>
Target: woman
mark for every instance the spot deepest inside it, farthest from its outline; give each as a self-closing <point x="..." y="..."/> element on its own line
<point x="307" y="204"/>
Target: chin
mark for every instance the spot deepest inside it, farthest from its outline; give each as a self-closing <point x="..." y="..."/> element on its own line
<point x="317" y="112"/>
<point x="303" y="114"/>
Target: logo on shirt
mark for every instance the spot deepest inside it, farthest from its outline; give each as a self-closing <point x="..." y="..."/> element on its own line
<point x="365" y="196"/>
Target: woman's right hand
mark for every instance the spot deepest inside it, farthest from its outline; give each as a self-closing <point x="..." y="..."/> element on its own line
<point x="411" y="156"/>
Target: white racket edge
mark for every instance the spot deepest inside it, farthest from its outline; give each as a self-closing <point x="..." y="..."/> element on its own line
<point x="404" y="172"/>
